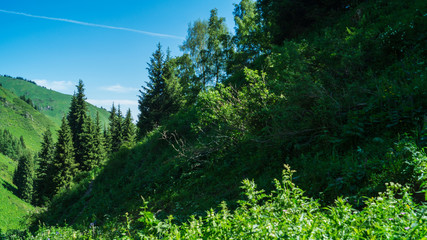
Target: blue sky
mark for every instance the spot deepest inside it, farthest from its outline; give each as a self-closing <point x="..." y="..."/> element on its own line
<point x="107" y="44"/>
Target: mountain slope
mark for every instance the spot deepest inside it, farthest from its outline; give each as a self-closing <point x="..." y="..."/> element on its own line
<point x="12" y="208"/>
<point x="51" y="103"/>
<point x="21" y="119"/>
<point x="334" y="115"/>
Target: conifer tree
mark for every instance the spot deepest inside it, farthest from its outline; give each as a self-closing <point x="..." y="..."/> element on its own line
<point x="107" y="140"/>
<point x="88" y="154"/>
<point x="23" y="176"/>
<point x="64" y="165"/>
<point x="173" y="98"/>
<point x="163" y="94"/>
<point x="149" y="101"/>
<point x="115" y="131"/>
<point x="43" y="187"/>
<point x="99" y="141"/>
<point x="128" y="129"/>
<point x="112" y="128"/>
<point x="77" y="118"/>
<point x="93" y="149"/>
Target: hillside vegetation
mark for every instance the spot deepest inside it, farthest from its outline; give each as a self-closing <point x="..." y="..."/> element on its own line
<point x="12" y="209"/>
<point x="53" y="104"/>
<point x="21" y="119"/>
<point x="334" y="90"/>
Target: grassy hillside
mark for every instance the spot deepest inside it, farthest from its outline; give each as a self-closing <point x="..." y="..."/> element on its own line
<point x="23" y="120"/>
<point x="12" y="209"/>
<point x="51" y="103"/>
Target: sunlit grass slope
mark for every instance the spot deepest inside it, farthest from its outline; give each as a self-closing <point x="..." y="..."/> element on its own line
<point x="51" y="103"/>
<point x="12" y="209"/>
<point x="21" y="119"/>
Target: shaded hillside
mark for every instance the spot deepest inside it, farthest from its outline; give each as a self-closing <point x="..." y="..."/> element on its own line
<point x="12" y="209"/>
<point x="53" y="104"/>
<point x="21" y="119"/>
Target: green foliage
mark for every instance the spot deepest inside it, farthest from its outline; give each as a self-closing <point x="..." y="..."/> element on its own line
<point x="195" y="59"/>
<point x="23" y="176"/>
<point x="129" y="129"/>
<point x="286" y="213"/>
<point x="81" y="129"/>
<point x="20" y="119"/>
<point x="43" y="185"/>
<point x="115" y="134"/>
<point x="330" y="96"/>
<point x="218" y="48"/>
<point x="64" y="166"/>
<point x="11" y="146"/>
<point x="162" y="96"/>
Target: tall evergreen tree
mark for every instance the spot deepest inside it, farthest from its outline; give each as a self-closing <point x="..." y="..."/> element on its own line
<point x="163" y="94"/>
<point x="88" y="151"/>
<point x="173" y="97"/>
<point x="112" y="127"/>
<point x="23" y="176"/>
<point x="106" y="140"/>
<point x="150" y="99"/>
<point x="128" y="129"/>
<point x="100" y="151"/>
<point x="64" y="165"/>
<point x="43" y="186"/>
<point x="115" y="130"/>
<point x="92" y="144"/>
<point x="78" y="119"/>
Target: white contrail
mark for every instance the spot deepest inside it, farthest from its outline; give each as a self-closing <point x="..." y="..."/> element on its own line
<point x="92" y="24"/>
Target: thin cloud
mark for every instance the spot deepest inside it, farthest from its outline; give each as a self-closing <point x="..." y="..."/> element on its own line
<point x="93" y="24"/>
<point x="119" y="89"/>
<point x="59" y="86"/>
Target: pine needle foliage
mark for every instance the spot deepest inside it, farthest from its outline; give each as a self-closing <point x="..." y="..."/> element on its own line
<point x="23" y="176"/>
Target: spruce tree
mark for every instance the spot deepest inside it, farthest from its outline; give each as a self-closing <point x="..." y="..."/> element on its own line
<point x="128" y="129"/>
<point x="115" y="130"/>
<point x="88" y="146"/>
<point x="23" y="176"/>
<point x="173" y="97"/>
<point x="150" y="99"/>
<point x="64" y="165"/>
<point x="112" y="128"/>
<point x="99" y="150"/>
<point x="107" y="140"/>
<point x="92" y="144"/>
<point x="43" y="186"/>
<point x="78" y="120"/>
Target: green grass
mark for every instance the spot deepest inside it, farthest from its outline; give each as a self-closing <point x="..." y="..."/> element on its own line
<point x="22" y="120"/>
<point x="53" y="104"/>
<point x="12" y="209"/>
<point x="284" y="214"/>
